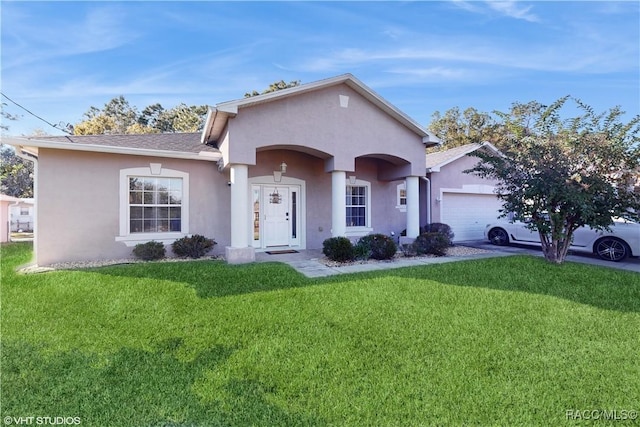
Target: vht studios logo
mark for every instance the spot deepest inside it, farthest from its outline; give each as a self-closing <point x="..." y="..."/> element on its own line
<point x="50" y="421"/>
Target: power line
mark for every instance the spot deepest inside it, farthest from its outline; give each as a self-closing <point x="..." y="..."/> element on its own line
<point x="66" y="128"/>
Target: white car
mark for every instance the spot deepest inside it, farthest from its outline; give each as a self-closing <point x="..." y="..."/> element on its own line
<point x="621" y="242"/>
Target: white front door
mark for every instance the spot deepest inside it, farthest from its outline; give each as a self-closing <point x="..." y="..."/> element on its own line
<point x="276" y="205"/>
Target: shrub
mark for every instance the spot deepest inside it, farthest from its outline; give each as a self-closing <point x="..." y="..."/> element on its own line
<point x="149" y="251"/>
<point x="195" y="246"/>
<point x="432" y="243"/>
<point x="338" y="249"/>
<point x="444" y="229"/>
<point x="380" y="246"/>
<point x="409" y="249"/>
<point x="361" y="252"/>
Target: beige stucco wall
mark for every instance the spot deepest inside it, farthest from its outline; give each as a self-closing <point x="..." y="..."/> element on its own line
<point x="317" y="122"/>
<point x="78" y="203"/>
<point x="4" y="220"/>
<point x="452" y="176"/>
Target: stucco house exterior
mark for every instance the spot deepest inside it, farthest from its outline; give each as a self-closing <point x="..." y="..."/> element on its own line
<point x="466" y="202"/>
<point x="15" y="214"/>
<point x="21" y="215"/>
<point x="286" y="169"/>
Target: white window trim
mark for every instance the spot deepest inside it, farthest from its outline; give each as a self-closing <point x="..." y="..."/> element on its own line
<point x="361" y="231"/>
<point x="399" y="206"/>
<point x="157" y="171"/>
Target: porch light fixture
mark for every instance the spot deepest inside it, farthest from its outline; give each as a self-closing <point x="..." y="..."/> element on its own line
<point x="277" y="175"/>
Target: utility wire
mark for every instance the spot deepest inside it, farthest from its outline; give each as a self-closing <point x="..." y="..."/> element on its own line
<point x="68" y="128"/>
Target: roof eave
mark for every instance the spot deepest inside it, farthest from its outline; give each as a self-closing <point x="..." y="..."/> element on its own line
<point x="215" y="123"/>
<point x="29" y="144"/>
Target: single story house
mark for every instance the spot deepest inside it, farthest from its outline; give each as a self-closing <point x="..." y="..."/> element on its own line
<point x="287" y="169"/>
<point x="21" y="215"/>
<point x="15" y="214"/>
<point x="466" y="202"/>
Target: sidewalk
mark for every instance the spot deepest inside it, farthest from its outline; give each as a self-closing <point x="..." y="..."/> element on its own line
<point x="308" y="262"/>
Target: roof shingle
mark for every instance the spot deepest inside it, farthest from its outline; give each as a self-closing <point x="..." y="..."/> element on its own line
<point x="178" y="142"/>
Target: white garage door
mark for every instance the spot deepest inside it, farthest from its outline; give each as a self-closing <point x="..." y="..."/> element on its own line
<point x="468" y="214"/>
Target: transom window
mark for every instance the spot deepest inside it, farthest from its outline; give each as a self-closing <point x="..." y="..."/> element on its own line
<point x="155" y="204"/>
<point x="356" y="204"/>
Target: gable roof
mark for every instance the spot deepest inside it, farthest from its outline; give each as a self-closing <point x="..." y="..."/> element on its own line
<point x="438" y="159"/>
<point x="174" y="145"/>
<point x="217" y="117"/>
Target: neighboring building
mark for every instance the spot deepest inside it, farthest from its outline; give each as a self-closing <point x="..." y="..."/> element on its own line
<point x="21" y="215"/>
<point x="286" y="169"/>
<point x="464" y="201"/>
<point x="15" y="214"/>
<point x="5" y="216"/>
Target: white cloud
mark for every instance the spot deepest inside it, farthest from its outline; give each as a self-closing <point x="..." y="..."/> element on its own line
<point x="513" y="9"/>
<point x="29" y="41"/>
<point x="509" y="8"/>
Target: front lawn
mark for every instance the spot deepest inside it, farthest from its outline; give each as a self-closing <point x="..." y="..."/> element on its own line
<point x="504" y="341"/>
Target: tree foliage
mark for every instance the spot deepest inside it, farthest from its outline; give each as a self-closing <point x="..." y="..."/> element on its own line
<point x="16" y="174"/>
<point x="6" y="116"/>
<point x="455" y="128"/>
<point x="563" y="174"/>
<point x="119" y="117"/>
<point x="274" y="87"/>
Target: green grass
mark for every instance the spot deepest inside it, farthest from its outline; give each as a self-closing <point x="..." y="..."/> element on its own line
<point x="505" y="341"/>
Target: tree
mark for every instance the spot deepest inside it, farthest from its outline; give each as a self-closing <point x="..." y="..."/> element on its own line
<point x="6" y="116"/>
<point x="471" y="126"/>
<point x="273" y="87"/>
<point x="563" y="174"/>
<point x="119" y="117"/>
<point x="16" y="174"/>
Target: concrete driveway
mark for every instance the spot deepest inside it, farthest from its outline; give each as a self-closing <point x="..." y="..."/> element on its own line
<point x="630" y="264"/>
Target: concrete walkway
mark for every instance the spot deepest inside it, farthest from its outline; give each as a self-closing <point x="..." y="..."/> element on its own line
<point x="308" y="262"/>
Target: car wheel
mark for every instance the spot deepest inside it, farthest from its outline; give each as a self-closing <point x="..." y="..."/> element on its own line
<point x="498" y="236"/>
<point x="611" y="249"/>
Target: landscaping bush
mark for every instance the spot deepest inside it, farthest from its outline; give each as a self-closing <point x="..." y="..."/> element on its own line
<point x="408" y="249"/>
<point x="438" y="227"/>
<point x="379" y="245"/>
<point x="195" y="246"/>
<point x="338" y="249"/>
<point x="432" y="243"/>
<point x="149" y="251"/>
<point x="361" y="251"/>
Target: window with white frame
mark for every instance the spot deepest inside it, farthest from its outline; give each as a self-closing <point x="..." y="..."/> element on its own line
<point x="356" y="204"/>
<point x="358" y="207"/>
<point x="153" y="204"/>
<point x="401" y="199"/>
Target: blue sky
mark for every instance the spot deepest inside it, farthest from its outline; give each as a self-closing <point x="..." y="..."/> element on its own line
<point x="60" y="58"/>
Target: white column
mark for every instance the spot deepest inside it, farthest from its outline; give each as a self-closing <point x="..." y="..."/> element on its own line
<point x="239" y="206"/>
<point x="338" y="206"/>
<point x="413" y="206"/>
